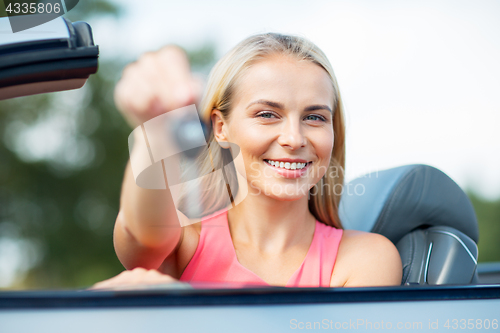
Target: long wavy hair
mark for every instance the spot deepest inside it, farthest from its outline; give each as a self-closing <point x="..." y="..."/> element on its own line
<point x="324" y="196"/>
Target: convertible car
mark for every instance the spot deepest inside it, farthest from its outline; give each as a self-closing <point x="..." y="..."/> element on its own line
<point x="418" y="207"/>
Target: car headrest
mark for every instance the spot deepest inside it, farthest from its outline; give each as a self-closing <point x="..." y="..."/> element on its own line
<point x="396" y="201"/>
<point x="437" y="255"/>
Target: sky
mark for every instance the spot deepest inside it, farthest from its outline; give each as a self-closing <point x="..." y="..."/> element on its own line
<point x="419" y="79"/>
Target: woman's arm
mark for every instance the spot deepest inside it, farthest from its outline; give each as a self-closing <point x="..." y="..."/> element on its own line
<point x="147" y="230"/>
<point x="366" y="260"/>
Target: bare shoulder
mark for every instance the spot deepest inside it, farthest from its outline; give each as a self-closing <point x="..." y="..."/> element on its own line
<point x="366" y="259"/>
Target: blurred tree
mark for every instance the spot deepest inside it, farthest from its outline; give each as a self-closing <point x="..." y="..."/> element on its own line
<point x="59" y="178"/>
<point x="62" y="157"/>
<point x="488" y="216"/>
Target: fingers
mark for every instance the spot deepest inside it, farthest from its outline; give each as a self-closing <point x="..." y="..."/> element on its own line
<point x="133" y="95"/>
<point x="178" y="86"/>
<point x="135" y="277"/>
<point x="157" y="82"/>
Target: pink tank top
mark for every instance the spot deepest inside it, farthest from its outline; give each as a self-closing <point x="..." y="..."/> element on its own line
<point x="215" y="259"/>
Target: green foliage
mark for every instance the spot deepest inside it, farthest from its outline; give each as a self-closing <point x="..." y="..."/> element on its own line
<point x="65" y="201"/>
<point x="488" y="216"/>
<point x="203" y="58"/>
<point x="62" y="157"/>
<point x="92" y="8"/>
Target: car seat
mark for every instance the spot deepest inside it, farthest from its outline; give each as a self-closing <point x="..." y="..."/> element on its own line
<point x="425" y="214"/>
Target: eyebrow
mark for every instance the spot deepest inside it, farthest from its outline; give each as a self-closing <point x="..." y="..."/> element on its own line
<point x="280" y="106"/>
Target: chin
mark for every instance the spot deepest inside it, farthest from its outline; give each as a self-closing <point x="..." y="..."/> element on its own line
<point x="286" y="192"/>
<point x="289" y="198"/>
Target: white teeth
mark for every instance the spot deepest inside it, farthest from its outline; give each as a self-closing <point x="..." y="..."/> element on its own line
<point x="287" y="165"/>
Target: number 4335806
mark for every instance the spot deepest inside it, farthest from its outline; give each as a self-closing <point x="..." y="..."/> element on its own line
<point x="33" y="8"/>
<point x="471" y="324"/>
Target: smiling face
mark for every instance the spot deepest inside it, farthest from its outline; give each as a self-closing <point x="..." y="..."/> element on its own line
<point x="282" y="121"/>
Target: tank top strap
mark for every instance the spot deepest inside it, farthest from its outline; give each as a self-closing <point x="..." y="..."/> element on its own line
<point x="317" y="268"/>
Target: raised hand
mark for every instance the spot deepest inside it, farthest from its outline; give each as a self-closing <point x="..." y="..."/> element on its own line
<point x="156" y="83"/>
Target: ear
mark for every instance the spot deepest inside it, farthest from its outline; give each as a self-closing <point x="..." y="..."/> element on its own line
<point x="219" y="127"/>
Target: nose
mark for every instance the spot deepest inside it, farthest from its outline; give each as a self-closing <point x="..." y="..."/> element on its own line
<point x="291" y="136"/>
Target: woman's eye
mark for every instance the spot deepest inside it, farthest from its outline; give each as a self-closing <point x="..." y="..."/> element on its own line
<point x="266" y="115"/>
<point x="315" y="117"/>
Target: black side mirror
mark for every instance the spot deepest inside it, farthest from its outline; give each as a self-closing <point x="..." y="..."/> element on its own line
<point x="55" y="56"/>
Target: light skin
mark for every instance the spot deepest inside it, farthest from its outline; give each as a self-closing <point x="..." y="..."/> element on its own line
<point x="282" y="109"/>
<point x="272" y="228"/>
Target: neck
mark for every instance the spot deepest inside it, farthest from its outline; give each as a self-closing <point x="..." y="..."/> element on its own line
<point x="271" y="225"/>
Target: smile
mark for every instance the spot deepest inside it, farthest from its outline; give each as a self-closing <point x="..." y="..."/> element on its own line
<point x="287" y="165"/>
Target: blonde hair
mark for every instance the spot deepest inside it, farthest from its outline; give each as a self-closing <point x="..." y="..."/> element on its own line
<point x="219" y="94"/>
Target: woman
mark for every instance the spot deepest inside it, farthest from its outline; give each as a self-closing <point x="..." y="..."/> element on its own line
<point x="276" y="98"/>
